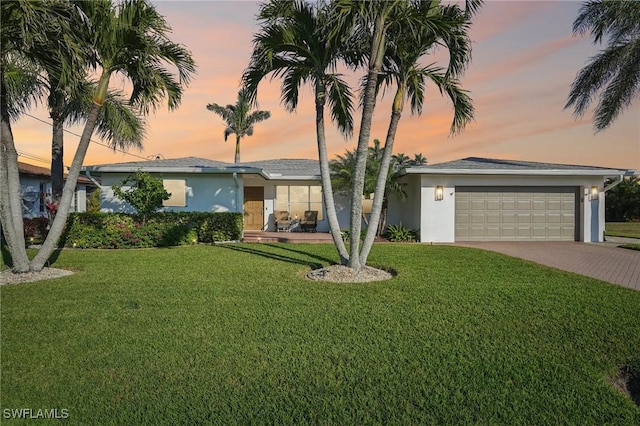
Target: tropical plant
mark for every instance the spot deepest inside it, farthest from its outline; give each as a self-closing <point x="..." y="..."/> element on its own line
<point x="342" y="170"/>
<point x="26" y="27"/>
<point x="623" y="201"/>
<point x="118" y="123"/>
<point x="292" y="44"/>
<point x="128" y="38"/>
<point x="399" y="233"/>
<point x="388" y="38"/>
<point x="239" y="119"/>
<point x="93" y="201"/>
<point x="612" y="76"/>
<point x="144" y="193"/>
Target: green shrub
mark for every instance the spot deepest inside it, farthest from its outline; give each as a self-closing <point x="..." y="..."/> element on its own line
<point x="122" y="230"/>
<point x="399" y="233"/>
<point x="35" y="228"/>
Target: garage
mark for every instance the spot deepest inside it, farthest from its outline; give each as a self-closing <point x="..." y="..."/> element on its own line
<point x="515" y="213"/>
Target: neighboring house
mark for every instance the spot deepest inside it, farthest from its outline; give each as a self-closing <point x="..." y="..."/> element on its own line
<point x="482" y="199"/>
<point x="257" y="189"/>
<point x="464" y="200"/>
<point x="35" y="185"/>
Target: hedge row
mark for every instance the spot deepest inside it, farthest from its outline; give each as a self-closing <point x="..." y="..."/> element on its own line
<point x="122" y="230"/>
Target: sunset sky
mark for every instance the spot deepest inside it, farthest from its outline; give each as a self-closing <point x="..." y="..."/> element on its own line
<point x="524" y="61"/>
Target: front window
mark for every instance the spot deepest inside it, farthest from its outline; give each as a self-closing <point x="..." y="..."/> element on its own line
<point x="177" y="189"/>
<point x="298" y="199"/>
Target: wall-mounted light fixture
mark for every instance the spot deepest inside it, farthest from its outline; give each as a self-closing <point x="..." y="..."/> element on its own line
<point x="593" y="193"/>
<point x="439" y="193"/>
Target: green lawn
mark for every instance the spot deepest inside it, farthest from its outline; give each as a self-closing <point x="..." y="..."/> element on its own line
<point x="623" y="229"/>
<point x="234" y="334"/>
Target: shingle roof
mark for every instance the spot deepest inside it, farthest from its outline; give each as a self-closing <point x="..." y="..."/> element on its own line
<point x="31" y="170"/>
<point x="492" y="165"/>
<point x="276" y="169"/>
<point x="194" y="162"/>
<point x="287" y="167"/>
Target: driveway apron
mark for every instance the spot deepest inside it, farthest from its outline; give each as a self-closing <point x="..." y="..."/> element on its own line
<point x="604" y="261"/>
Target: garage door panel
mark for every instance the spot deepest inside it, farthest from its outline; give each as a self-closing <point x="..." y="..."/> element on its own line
<point x="507" y="218"/>
<point x="477" y="205"/>
<point x="523" y="205"/>
<point x="523" y="218"/>
<point x="508" y="204"/>
<point x="523" y="232"/>
<point x="538" y="218"/>
<point x="539" y="205"/>
<point x="508" y="232"/>
<point x="515" y="213"/>
<point x="493" y="204"/>
<point x="492" y="218"/>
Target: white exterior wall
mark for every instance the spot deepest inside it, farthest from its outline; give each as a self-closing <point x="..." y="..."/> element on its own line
<point x="406" y="211"/>
<point x="437" y="218"/>
<point x="204" y="193"/>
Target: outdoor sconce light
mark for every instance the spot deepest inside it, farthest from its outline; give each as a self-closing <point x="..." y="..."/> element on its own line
<point x="593" y="193"/>
<point x="439" y="193"/>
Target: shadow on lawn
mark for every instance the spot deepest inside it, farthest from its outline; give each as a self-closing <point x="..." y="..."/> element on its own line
<point x="281" y="257"/>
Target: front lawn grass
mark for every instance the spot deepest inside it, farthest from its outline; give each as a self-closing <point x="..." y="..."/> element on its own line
<point x="234" y="334"/>
<point x="623" y="229"/>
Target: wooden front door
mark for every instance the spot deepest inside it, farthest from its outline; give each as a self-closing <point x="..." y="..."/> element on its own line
<point x="253" y="207"/>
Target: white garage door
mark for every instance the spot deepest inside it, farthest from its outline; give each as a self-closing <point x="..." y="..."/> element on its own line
<point x="515" y="213"/>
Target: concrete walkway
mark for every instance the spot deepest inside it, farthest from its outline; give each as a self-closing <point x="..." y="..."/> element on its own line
<point x="604" y="261"/>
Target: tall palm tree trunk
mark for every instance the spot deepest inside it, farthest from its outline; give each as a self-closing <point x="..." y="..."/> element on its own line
<point x="325" y="174"/>
<point x="57" y="159"/>
<point x="381" y="182"/>
<point x="10" y="196"/>
<point x="60" y="220"/>
<point x="362" y="151"/>
<point x="237" y="155"/>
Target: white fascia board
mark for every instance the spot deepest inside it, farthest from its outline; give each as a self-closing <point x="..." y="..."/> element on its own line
<point x="540" y="172"/>
<point x="210" y="170"/>
<point x="288" y="178"/>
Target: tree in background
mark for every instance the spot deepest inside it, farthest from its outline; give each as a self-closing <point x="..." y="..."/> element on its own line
<point x="623" y="201"/>
<point x="239" y="119"/>
<point x="342" y="169"/>
<point x="144" y="193"/>
<point x="613" y="75"/>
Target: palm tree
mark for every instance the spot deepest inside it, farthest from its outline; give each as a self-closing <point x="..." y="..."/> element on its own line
<point x="377" y="22"/>
<point x="402" y="66"/>
<point x="342" y="171"/>
<point x="238" y="118"/>
<point x="293" y="45"/>
<point x="26" y="28"/>
<point x="118" y="123"/>
<point x="129" y="38"/>
<point x="612" y="75"/>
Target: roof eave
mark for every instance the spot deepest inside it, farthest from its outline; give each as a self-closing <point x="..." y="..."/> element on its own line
<point x="538" y="172"/>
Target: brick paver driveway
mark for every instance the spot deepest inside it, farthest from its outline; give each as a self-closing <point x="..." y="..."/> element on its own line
<point x="604" y="261"/>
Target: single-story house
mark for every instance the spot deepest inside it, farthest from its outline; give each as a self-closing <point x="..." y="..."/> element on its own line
<point x="463" y="200"/>
<point x="35" y="186"/>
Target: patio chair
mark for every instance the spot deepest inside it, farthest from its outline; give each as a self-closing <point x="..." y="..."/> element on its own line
<point x="283" y="222"/>
<point x="310" y="221"/>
